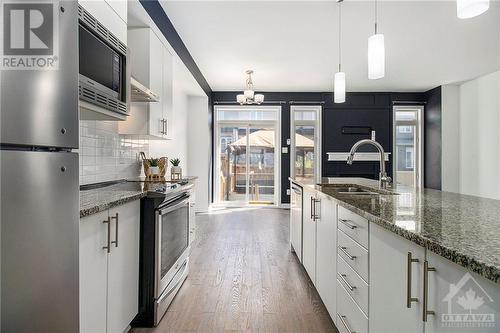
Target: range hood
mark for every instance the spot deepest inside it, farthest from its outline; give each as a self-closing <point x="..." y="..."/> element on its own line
<point x="140" y="93"/>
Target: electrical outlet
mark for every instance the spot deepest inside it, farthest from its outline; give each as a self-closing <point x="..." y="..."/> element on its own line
<point x="288" y="191"/>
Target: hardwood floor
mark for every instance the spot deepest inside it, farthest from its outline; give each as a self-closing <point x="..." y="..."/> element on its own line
<point x="243" y="277"/>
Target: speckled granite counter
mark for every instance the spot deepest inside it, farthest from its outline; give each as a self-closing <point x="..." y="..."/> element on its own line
<point x="99" y="199"/>
<point x="461" y="228"/>
<point x="96" y="200"/>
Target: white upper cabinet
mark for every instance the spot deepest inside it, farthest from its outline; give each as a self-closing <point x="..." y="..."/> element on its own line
<point x="151" y="65"/>
<point x="110" y="14"/>
<point x="395" y="296"/>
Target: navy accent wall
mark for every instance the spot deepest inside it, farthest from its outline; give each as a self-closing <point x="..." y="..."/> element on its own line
<point x="432" y="139"/>
<point x="361" y="109"/>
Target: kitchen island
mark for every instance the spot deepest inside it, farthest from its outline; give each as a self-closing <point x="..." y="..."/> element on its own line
<point x="404" y="253"/>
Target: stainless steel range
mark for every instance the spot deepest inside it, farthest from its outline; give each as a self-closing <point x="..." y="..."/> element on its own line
<point x="164" y="258"/>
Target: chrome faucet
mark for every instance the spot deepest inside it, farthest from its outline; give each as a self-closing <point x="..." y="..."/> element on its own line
<point x="384" y="180"/>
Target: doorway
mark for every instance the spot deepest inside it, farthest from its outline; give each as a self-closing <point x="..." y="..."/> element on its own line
<point x="305" y="145"/>
<point x="408" y="148"/>
<point x="246" y="158"/>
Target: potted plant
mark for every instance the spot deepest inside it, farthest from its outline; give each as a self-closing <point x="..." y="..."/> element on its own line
<point x="176" y="170"/>
<point x="153" y="166"/>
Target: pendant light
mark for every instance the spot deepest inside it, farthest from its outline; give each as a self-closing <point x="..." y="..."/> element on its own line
<point x="339" y="80"/>
<point x="249" y="96"/>
<point x="376" y="53"/>
<point x="471" y="8"/>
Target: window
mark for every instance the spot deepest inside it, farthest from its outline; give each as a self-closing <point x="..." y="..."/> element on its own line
<point x="405" y="129"/>
<point x="409" y="157"/>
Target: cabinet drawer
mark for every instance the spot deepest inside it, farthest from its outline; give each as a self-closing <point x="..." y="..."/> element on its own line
<point x="349" y="314"/>
<point x="354" y="254"/>
<point x="353" y="284"/>
<point x="354" y="225"/>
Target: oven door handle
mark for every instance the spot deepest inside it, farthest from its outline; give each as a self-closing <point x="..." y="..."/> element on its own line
<point x="169" y="208"/>
<point x="177" y="278"/>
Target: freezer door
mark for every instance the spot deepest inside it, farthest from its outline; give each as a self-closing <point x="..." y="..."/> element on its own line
<point x="40" y="107"/>
<point x="39" y="241"/>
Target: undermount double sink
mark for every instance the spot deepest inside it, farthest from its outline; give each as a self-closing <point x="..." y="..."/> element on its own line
<point x="355" y="190"/>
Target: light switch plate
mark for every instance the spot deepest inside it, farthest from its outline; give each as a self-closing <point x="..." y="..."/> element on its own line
<point x="284" y="150"/>
<point x="288" y="191"/>
<point x="288" y="141"/>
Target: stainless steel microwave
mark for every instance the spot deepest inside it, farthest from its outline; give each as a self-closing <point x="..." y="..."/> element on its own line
<point x="104" y="73"/>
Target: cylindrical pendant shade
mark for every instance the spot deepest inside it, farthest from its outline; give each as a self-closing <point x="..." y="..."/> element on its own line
<point x="376" y="57"/>
<point x="470" y="8"/>
<point x="339" y="87"/>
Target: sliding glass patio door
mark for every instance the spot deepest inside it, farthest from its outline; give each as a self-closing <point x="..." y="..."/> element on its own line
<point x="246" y="156"/>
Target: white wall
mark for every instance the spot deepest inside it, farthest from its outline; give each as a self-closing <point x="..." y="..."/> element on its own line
<point x="477" y="164"/>
<point x="480" y="136"/>
<point x="199" y="143"/>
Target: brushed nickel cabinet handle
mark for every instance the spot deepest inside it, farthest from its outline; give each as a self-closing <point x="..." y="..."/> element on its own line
<point x="165" y="127"/>
<point x="409" y="261"/>
<point x="349" y="225"/>
<point x="312" y="209"/>
<point x="116" y="230"/>
<point x="344" y="250"/>
<point x="108" y="246"/>
<point x="425" y="301"/>
<point x="344" y="322"/>
<point x="161" y="126"/>
<point x="343" y="278"/>
<point x="316" y="216"/>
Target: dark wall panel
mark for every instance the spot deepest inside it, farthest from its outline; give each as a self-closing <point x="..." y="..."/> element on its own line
<point x="360" y="109"/>
<point x="432" y="139"/>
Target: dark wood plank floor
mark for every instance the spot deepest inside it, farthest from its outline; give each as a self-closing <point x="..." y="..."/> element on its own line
<point x="243" y="277"/>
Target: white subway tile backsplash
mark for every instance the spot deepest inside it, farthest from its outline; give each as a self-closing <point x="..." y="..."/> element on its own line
<point x="105" y="155"/>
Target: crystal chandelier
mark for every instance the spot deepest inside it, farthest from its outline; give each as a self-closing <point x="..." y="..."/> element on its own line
<point x="249" y="96"/>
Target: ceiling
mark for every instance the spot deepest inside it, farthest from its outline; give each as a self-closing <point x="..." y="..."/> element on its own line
<point x="293" y="45"/>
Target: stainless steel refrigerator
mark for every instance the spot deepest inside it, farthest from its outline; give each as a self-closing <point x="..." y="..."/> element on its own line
<point x="40" y="190"/>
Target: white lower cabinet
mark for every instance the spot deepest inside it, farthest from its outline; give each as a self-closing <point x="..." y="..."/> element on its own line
<point x="309" y="234"/>
<point x="391" y="259"/>
<point x="350" y="318"/>
<point x="460" y="300"/>
<point x="93" y="273"/>
<point x="326" y="244"/>
<point x="109" y="279"/>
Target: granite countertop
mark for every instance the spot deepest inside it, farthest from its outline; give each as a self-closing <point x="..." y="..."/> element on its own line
<point x="461" y="228"/>
<point x="98" y="199"/>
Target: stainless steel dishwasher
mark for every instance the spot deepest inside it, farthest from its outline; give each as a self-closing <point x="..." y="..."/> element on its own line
<point x="296" y="220"/>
